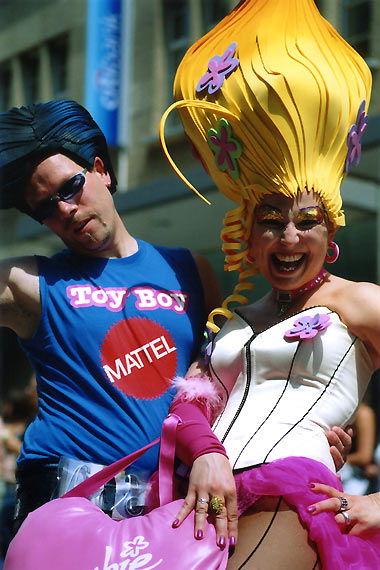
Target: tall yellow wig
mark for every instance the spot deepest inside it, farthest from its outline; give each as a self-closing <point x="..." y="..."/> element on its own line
<point x="273" y="100"/>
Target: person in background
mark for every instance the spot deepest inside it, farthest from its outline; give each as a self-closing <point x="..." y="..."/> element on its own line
<point x="359" y="473"/>
<point x="19" y="410"/>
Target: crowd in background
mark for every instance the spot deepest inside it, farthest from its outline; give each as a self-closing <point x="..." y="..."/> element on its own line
<point x="18" y="410"/>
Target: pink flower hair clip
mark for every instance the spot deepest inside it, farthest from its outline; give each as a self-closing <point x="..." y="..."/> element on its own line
<point x="219" y="67"/>
<point x="354" y="138"/>
<point x="226" y="148"/>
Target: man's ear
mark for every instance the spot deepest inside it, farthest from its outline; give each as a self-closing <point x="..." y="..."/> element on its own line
<point x="99" y="168"/>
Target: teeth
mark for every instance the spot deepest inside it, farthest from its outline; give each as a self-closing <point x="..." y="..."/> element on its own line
<point x="289" y="258"/>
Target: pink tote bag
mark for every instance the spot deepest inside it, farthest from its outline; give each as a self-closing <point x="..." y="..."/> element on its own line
<point x="71" y="533"/>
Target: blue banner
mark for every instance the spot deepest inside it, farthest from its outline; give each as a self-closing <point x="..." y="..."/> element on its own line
<point x="103" y="57"/>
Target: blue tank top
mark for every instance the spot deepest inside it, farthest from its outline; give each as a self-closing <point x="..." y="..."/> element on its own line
<point x="112" y="336"/>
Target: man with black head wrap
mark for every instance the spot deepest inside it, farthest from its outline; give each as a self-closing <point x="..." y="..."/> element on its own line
<point x="108" y="322"/>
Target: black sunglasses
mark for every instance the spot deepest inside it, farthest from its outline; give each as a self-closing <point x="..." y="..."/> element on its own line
<point x="67" y="191"/>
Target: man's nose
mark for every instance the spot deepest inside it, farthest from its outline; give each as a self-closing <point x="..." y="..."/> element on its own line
<point x="68" y="208"/>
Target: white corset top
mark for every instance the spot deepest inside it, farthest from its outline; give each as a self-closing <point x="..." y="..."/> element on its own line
<point x="284" y="395"/>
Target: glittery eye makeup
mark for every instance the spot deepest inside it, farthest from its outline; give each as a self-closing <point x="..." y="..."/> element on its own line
<point x="311" y="214"/>
<point x="268" y="214"/>
<point x="305" y="219"/>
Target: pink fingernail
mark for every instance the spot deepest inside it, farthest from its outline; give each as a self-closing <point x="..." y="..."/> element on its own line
<point x="232" y="541"/>
<point x="199" y="533"/>
<point x="176" y="522"/>
<point x="222" y="541"/>
<point x="311" y="509"/>
<point x="311" y="485"/>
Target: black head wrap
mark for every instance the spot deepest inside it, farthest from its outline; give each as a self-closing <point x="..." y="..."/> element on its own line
<point x="30" y="134"/>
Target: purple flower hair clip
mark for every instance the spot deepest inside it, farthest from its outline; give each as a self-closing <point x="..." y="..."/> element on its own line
<point x="354" y="138"/>
<point x="308" y="327"/>
<point x="219" y="67"/>
<point x="227" y="149"/>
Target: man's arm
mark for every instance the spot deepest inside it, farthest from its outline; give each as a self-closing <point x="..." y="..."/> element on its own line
<point x="20" y="305"/>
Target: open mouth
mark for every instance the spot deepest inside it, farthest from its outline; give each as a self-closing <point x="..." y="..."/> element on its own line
<point x="287" y="263"/>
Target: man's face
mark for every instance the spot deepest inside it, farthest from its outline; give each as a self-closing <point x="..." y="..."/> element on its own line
<point x="86" y="221"/>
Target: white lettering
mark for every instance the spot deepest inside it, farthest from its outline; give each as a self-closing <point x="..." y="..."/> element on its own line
<point x="149" y="299"/>
<point x="131" y="362"/>
<point x="164" y="300"/>
<point x="157" y="348"/>
<point x="141" y="561"/>
<point x="119" y="366"/>
<point x="136" y="354"/>
<point x="80" y="295"/>
<point x="113" y="298"/>
<point x="117" y="297"/>
<point x="181" y="299"/>
<point x="100" y="297"/>
<point x="133" y="557"/>
<point x="146" y="298"/>
<point x="168" y="348"/>
<point x="145" y="349"/>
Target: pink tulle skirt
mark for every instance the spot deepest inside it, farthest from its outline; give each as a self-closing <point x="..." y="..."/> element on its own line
<point x="289" y="478"/>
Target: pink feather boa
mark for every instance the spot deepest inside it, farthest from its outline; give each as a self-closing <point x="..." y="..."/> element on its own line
<point x="203" y="392"/>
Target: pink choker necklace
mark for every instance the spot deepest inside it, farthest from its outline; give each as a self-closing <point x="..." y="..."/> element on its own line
<point x="285" y="298"/>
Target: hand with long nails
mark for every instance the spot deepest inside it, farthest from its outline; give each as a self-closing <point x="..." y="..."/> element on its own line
<point x="362" y="514"/>
<point x="211" y="476"/>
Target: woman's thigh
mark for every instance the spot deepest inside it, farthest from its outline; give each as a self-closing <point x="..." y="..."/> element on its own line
<point x="272" y="537"/>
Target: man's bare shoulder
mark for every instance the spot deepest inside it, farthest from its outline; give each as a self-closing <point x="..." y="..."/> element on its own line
<point x="19" y="295"/>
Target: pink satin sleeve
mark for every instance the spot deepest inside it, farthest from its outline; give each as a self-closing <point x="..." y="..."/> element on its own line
<point x="194" y="435"/>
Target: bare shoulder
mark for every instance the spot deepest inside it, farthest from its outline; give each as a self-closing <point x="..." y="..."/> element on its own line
<point x="211" y="285"/>
<point x="19" y="294"/>
<point x="359" y="307"/>
<point x="360" y="300"/>
<point x="18" y="270"/>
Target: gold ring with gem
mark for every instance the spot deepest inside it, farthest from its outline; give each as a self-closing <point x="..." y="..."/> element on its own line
<point x="216" y="504"/>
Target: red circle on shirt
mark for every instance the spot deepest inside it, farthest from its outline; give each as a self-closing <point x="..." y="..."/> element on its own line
<point x="139" y="357"/>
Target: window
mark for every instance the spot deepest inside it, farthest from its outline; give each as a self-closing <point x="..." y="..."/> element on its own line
<point x="58" y="50"/>
<point x="213" y="12"/>
<point x="30" y="73"/>
<point x="176" y="17"/>
<point x="356" y="24"/>
<point x="177" y="33"/>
